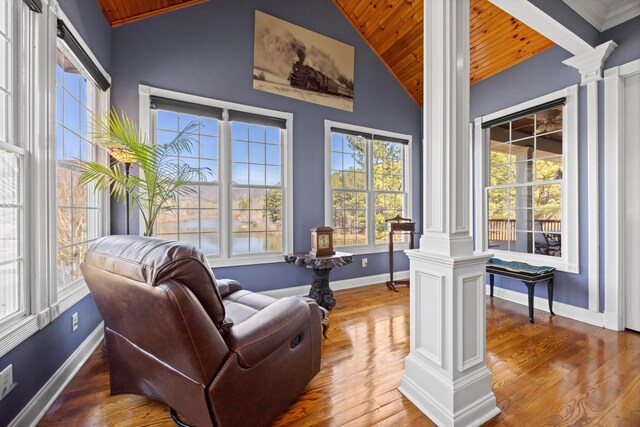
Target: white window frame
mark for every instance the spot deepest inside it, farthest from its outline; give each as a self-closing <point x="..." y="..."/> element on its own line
<point x="35" y="118"/>
<point x="97" y="103"/>
<point x="226" y="259"/>
<point x="570" y="259"/>
<point x="372" y="246"/>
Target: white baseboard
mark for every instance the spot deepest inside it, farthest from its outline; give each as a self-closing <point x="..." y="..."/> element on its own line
<point x="565" y="310"/>
<point x="42" y="401"/>
<point x="337" y="285"/>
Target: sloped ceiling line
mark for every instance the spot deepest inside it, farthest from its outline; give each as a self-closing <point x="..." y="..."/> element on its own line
<point x="393" y="29"/>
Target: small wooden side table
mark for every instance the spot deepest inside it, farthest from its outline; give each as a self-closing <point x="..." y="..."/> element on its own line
<point x="320" y="290"/>
<point x="399" y="225"/>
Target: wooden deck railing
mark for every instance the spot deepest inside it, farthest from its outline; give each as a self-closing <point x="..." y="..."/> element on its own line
<point x="499" y="229"/>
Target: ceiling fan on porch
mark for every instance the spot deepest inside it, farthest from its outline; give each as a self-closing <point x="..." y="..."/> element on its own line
<point x="548" y="121"/>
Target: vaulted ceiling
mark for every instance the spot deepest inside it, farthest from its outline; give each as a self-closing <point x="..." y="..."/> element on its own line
<point x="394" y="30"/>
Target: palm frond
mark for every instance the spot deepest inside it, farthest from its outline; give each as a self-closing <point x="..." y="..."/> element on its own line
<point x="158" y="178"/>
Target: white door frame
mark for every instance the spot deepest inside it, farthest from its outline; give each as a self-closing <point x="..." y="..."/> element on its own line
<point x="614" y="315"/>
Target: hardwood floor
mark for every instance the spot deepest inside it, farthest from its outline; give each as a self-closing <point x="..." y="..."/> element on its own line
<point x="556" y="372"/>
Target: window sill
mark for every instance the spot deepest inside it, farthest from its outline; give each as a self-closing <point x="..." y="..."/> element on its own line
<point x="377" y="249"/>
<point x="70" y="296"/>
<point x="215" y="262"/>
<point x="559" y="263"/>
<point x="17" y="332"/>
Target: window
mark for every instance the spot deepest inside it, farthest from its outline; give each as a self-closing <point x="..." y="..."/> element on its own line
<point x="237" y="212"/>
<point x="78" y="213"/>
<point x="366" y="184"/>
<point x="39" y="197"/>
<point x="529" y="181"/>
<point x="12" y="266"/>
<point x="524" y="194"/>
<point x="256" y="188"/>
<point x="196" y="219"/>
<point x="11" y="231"/>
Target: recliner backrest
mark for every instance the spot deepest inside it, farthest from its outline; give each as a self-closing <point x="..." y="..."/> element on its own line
<point x="154" y="261"/>
<point x="159" y="296"/>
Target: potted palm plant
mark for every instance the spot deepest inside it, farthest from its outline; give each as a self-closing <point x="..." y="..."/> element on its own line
<point x="160" y="178"/>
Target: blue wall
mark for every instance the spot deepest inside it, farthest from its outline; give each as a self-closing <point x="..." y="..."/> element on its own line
<point x="41" y="355"/>
<point x="207" y="50"/>
<point x="88" y="20"/>
<point x="545" y="73"/>
<point x="537" y="76"/>
<point x="627" y="35"/>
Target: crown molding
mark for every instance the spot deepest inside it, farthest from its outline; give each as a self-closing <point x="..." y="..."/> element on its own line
<point x="603" y="17"/>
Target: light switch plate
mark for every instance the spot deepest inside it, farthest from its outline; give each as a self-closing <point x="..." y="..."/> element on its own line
<point x="74" y="321"/>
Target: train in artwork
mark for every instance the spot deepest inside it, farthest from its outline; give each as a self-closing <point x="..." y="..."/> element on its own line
<point x="308" y="78"/>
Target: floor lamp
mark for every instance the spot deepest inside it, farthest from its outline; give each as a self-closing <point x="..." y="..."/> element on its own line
<point x="126" y="158"/>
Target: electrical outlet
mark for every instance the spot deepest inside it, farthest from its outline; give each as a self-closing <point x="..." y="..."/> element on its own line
<point x="74" y="321"/>
<point x="6" y="381"/>
<point x="365" y="262"/>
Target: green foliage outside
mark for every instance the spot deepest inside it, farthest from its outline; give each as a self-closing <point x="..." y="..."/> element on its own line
<point x="546" y="198"/>
<point x="349" y="185"/>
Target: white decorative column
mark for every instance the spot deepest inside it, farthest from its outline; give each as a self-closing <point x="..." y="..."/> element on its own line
<point x="590" y="65"/>
<point x="446" y="375"/>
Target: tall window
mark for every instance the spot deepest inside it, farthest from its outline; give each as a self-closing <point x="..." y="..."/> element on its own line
<point x="77" y="207"/>
<point x="12" y="273"/>
<point x="256" y="188"/>
<point x="349" y="188"/>
<point x="526" y="176"/>
<point x="367" y="183"/>
<point x="237" y="210"/>
<point x="524" y="193"/>
<point x="196" y="219"/>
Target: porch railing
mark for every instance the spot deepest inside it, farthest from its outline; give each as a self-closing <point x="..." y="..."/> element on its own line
<point x="502" y="229"/>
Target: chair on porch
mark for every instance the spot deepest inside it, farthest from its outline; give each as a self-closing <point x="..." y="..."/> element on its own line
<point x="543" y="244"/>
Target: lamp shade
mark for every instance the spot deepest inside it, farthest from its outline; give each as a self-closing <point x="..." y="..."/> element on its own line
<point x="122" y="155"/>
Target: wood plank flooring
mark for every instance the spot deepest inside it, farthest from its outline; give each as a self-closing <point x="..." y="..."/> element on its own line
<point x="556" y="372"/>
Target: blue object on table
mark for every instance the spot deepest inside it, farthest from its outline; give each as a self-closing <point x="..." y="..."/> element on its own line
<point x="527" y="273"/>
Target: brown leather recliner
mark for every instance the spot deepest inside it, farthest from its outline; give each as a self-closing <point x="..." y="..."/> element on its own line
<point x="216" y="353"/>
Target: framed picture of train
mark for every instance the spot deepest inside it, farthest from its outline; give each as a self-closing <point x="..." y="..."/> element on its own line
<point x="292" y="61"/>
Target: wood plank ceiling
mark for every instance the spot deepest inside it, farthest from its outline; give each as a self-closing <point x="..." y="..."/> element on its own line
<point x="119" y="12"/>
<point x="394" y="30"/>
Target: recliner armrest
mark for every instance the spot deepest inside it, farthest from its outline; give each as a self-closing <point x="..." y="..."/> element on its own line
<point x="260" y="335"/>
<point x="228" y="286"/>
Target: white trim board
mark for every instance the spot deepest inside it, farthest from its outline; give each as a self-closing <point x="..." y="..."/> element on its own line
<point x="337" y="285"/>
<point x="560" y="309"/>
<point x="593" y="198"/>
<point x="42" y="401"/>
<point x="532" y="16"/>
<point x="614" y="191"/>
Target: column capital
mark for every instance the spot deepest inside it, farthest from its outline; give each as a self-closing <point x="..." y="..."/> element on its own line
<point x="590" y="64"/>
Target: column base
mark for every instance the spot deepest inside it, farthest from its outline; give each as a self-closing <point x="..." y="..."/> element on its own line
<point x="468" y="401"/>
<point x="446" y="374"/>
